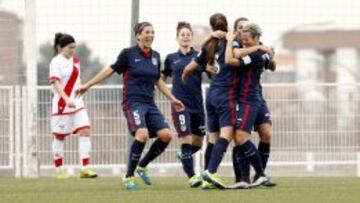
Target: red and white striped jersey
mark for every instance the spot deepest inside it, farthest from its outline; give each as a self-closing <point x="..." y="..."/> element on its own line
<point x="67" y="72"/>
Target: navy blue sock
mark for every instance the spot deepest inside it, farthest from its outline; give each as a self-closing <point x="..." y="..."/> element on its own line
<point x="209" y="148"/>
<point x="217" y="154"/>
<point x="155" y="150"/>
<point x="134" y="156"/>
<point x="187" y="160"/>
<point x="264" y="150"/>
<point x="236" y="166"/>
<point x="244" y="166"/>
<point x="195" y="148"/>
<point x="253" y="156"/>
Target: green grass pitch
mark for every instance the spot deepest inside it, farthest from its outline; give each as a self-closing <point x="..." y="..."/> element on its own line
<point x="173" y="190"/>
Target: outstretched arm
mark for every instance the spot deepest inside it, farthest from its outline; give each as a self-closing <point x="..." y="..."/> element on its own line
<point x="102" y="75"/>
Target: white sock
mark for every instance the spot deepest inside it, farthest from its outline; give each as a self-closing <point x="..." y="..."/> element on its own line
<point x="58" y="153"/>
<point x="84" y="150"/>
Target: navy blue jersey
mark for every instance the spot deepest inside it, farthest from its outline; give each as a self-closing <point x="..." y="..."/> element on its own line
<point x="237" y="44"/>
<point x="253" y="66"/>
<point x="190" y="93"/>
<point x="226" y="78"/>
<point x="140" y="72"/>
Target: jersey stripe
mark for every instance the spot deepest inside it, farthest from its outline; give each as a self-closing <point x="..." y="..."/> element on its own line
<point x="69" y="86"/>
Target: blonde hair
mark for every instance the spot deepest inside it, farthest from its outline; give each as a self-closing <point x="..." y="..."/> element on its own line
<point x="253" y="28"/>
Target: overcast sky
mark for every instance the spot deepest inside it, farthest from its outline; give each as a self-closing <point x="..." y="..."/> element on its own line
<point x="105" y="24"/>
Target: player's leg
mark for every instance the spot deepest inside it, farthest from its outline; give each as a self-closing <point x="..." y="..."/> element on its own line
<point x="263" y="125"/>
<point x="135" y="117"/>
<point x="82" y="128"/>
<point x="197" y="124"/>
<point x="182" y="121"/>
<point x="60" y="129"/>
<point x="265" y="133"/>
<point x="198" y="130"/>
<point x="158" y="127"/>
<point x="247" y="115"/>
<point x="219" y="149"/>
<point x="227" y="119"/>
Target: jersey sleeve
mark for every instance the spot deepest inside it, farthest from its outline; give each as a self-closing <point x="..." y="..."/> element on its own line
<point x="54" y="73"/>
<point x="167" y="67"/>
<point x="236" y="45"/>
<point x="121" y="62"/>
<point x="201" y="57"/>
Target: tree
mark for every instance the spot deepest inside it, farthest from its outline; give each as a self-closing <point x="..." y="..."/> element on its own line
<point x="89" y="66"/>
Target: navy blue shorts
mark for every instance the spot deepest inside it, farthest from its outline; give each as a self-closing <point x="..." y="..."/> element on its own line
<point x="187" y="123"/>
<point x="142" y="115"/>
<point x="221" y="111"/>
<point x="264" y="115"/>
<point x="246" y="116"/>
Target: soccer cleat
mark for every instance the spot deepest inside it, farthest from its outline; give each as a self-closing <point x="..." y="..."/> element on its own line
<point x="194" y="181"/>
<point x="239" y="185"/>
<point x="129" y="183"/>
<point x="144" y="175"/>
<point x="61" y="174"/>
<point x="267" y="184"/>
<point x="262" y="180"/>
<point x="206" y="185"/>
<point x="214" y="178"/>
<point x="87" y="173"/>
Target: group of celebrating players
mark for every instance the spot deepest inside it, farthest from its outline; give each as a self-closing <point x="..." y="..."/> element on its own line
<point x="234" y="61"/>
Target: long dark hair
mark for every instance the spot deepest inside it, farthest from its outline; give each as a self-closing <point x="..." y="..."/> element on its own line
<point x="61" y="40"/>
<point x="238" y="20"/>
<point x="217" y="22"/>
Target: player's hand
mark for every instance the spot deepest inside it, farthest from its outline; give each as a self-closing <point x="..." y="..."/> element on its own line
<point x="218" y="34"/>
<point x="267" y="49"/>
<point x="177" y="105"/>
<point x="212" y="69"/>
<point x="82" y="89"/>
<point x="231" y="36"/>
<point x="70" y="103"/>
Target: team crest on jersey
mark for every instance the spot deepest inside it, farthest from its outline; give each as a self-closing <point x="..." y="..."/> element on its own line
<point x="154" y="61"/>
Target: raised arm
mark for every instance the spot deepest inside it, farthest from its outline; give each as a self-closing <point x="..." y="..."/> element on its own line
<point x="217" y="34"/>
<point x="188" y="70"/>
<point x="229" y="55"/>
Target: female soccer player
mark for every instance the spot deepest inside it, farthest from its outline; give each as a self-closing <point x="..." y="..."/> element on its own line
<point x="140" y="66"/>
<point x="68" y="112"/>
<point x="263" y="123"/>
<point x="250" y="100"/>
<point x="190" y="123"/>
<point x="220" y="101"/>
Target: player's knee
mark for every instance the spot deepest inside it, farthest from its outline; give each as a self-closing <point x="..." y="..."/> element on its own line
<point x="197" y="141"/>
<point x="213" y="137"/>
<point x="84" y="132"/>
<point x="142" y="135"/>
<point x="241" y="137"/>
<point x="165" y="135"/>
<point x="265" y="136"/>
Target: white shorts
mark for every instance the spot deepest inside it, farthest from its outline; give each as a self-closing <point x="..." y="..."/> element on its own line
<point x="62" y="125"/>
